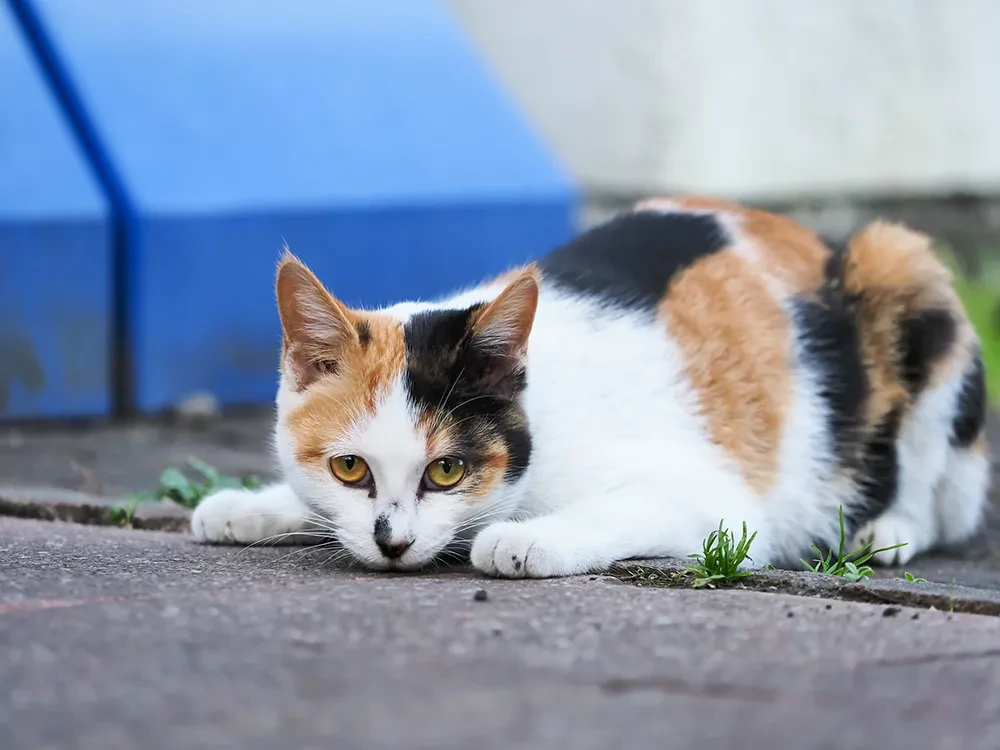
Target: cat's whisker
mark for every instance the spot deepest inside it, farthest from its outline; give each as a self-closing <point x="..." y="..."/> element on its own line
<point x="337" y="557"/>
<point x="463" y="403"/>
<point x="451" y="554"/>
<point x="443" y="401"/>
<point x="314" y="522"/>
<point x="312" y="548"/>
<point x="274" y="538"/>
<point x="483" y="519"/>
<point x="312" y="518"/>
<point x="502" y="509"/>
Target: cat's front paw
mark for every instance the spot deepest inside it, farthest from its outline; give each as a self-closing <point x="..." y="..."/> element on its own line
<point x="522" y="550"/>
<point x="886" y="531"/>
<point x="232" y="517"/>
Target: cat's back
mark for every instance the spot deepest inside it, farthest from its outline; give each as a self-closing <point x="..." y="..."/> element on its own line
<point x="676" y="316"/>
<point x="768" y="338"/>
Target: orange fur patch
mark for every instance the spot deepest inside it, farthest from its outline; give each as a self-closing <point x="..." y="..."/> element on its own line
<point x="365" y="373"/>
<point x="736" y="342"/>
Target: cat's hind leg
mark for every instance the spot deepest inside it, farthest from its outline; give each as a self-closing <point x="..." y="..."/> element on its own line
<point x="273" y="514"/>
<point x="961" y="497"/>
<point x="962" y="494"/>
<point x="943" y="472"/>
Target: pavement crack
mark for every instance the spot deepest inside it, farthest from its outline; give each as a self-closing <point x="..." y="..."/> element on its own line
<point x="933" y="659"/>
<point x="706" y="690"/>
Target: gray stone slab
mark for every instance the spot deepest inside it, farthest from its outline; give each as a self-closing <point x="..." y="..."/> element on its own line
<point x="115" y="639"/>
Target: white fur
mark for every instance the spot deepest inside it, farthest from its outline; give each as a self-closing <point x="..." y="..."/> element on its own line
<point x="941" y="496"/>
<point x="621" y="466"/>
<point x="960" y="495"/>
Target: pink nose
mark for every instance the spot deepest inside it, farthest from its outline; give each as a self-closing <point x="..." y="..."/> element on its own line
<point x="392" y="550"/>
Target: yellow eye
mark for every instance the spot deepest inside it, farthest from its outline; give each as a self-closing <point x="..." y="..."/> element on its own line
<point x="444" y="473"/>
<point x="349" y="469"/>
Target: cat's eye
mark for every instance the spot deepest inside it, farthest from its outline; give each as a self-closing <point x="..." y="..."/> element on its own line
<point x="444" y="473"/>
<point x="349" y="469"/>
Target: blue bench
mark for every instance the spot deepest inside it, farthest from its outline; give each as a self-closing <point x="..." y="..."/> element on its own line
<point x="368" y="135"/>
<point x="55" y="252"/>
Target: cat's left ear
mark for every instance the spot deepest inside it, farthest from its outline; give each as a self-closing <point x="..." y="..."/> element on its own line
<point x="500" y="330"/>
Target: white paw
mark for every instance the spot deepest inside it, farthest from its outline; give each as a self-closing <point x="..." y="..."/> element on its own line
<point x="238" y="517"/>
<point x="522" y="550"/>
<point x="889" y="530"/>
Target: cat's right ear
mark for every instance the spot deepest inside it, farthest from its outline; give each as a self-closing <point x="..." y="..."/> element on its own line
<point x="317" y="328"/>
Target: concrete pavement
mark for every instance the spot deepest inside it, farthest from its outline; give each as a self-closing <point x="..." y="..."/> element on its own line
<point x="117" y="639"/>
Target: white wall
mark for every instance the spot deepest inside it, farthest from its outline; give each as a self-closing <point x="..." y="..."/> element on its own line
<point x="757" y="99"/>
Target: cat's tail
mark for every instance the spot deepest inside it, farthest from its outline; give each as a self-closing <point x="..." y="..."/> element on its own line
<point x="915" y="334"/>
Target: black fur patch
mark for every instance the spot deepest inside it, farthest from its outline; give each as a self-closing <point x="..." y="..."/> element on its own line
<point x="971" y="413"/>
<point x="383" y="531"/>
<point x="926" y="337"/>
<point x="630" y="260"/>
<point x="880" y="476"/>
<point x="831" y="344"/>
<point x="830" y="337"/>
<point x="478" y="391"/>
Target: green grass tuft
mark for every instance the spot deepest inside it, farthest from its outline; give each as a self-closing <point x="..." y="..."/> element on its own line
<point x="175" y="484"/>
<point x="123" y="513"/>
<point x="851" y="565"/>
<point x="721" y="558"/>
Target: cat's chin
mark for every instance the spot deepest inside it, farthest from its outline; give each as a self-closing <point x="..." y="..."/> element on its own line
<point x="404" y="564"/>
<point x="399" y="566"/>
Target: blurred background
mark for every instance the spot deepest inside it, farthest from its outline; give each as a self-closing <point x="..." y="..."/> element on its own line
<point x="156" y="156"/>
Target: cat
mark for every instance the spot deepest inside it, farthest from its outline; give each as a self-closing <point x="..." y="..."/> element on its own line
<point x="686" y="363"/>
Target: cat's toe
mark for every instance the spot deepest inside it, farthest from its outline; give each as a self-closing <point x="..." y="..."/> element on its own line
<point x="888" y="531"/>
<point x="227" y="517"/>
<point x="516" y="550"/>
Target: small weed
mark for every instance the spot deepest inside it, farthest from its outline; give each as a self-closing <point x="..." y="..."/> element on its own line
<point x="641" y="574"/>
<point x="910" y="578"/>
<point x="850" y="566"/>
<point x="123" y="513"/>
<point x="721" y="557"/>
<point x="641" y="577"/>
<point x="175" y="485"/>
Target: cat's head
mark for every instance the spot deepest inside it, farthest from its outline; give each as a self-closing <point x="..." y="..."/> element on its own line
<point x="404" y="428"/>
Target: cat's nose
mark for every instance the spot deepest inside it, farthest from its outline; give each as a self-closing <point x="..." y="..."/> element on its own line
<point x="392" y="550"/>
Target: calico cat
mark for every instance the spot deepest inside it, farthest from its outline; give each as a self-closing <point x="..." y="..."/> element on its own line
<point x="686" y="363"/>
